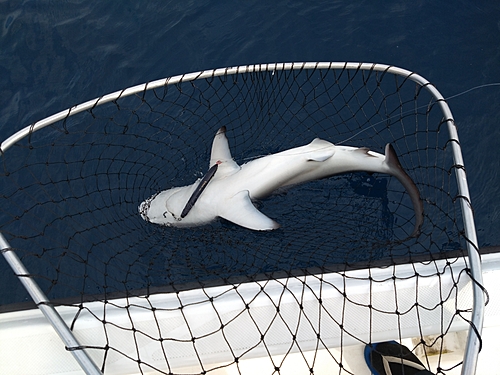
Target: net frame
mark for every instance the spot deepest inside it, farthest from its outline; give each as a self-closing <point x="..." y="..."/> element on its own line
<point x="473" y="341"/>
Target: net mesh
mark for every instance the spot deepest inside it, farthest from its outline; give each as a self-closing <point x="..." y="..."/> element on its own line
<point x="327" y="279"/>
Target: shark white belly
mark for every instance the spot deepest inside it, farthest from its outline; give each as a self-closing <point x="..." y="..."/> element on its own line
<point x="229" y="189"/>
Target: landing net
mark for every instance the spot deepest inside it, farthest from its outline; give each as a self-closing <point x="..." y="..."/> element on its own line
<point x="340" y="272"/>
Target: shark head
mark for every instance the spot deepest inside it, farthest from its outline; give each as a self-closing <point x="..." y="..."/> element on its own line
<point x="165" y="207"/>
<point x="220" y="193"/>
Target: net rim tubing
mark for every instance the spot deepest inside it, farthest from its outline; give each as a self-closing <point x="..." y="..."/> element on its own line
<point x="203" y="74"/>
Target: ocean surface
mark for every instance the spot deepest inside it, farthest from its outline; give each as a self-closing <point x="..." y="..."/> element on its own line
<point x="54" y="55"/>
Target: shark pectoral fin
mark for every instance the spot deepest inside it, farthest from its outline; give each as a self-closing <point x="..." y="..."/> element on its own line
<point x="240" y="210"/>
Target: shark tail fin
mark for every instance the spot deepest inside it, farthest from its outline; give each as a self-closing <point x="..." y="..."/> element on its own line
<point x="396" y="170"/>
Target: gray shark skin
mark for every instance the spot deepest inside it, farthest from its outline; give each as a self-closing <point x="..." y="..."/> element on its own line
<point x="229" y="190"/>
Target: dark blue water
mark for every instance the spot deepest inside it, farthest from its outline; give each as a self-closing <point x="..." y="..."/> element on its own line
<point x="57" y="54"/>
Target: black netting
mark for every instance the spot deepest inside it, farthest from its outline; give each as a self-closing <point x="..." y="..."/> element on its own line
<point x="70" y="196"/>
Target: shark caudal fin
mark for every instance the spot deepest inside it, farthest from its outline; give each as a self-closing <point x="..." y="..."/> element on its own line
<point x="396" y="170"/>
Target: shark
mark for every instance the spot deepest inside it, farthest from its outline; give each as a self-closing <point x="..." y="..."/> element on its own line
<point x="229" y="190"/>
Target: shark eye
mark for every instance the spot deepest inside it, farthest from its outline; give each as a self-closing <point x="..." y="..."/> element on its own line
<point x="165" y="214"/>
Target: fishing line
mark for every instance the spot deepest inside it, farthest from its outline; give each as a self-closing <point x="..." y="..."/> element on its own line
<point x="399" y="114"/>
<point x="472" y="89"/>
<point x="420" y="107"/>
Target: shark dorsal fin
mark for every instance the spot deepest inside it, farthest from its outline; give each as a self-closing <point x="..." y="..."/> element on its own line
<point x="222" y="155"/>
<point x="220" y="148"/>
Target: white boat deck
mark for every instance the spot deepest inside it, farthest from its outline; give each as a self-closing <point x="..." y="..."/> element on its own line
<point x="29" y="345"/>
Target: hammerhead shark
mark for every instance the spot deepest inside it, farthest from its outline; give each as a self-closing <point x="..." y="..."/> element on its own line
<point x="228" y="189"/>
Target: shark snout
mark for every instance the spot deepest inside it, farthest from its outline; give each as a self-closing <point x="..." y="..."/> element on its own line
<point x="144" y="208"/>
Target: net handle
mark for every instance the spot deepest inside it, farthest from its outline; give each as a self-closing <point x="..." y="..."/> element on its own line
<point x="48" y="310"/>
